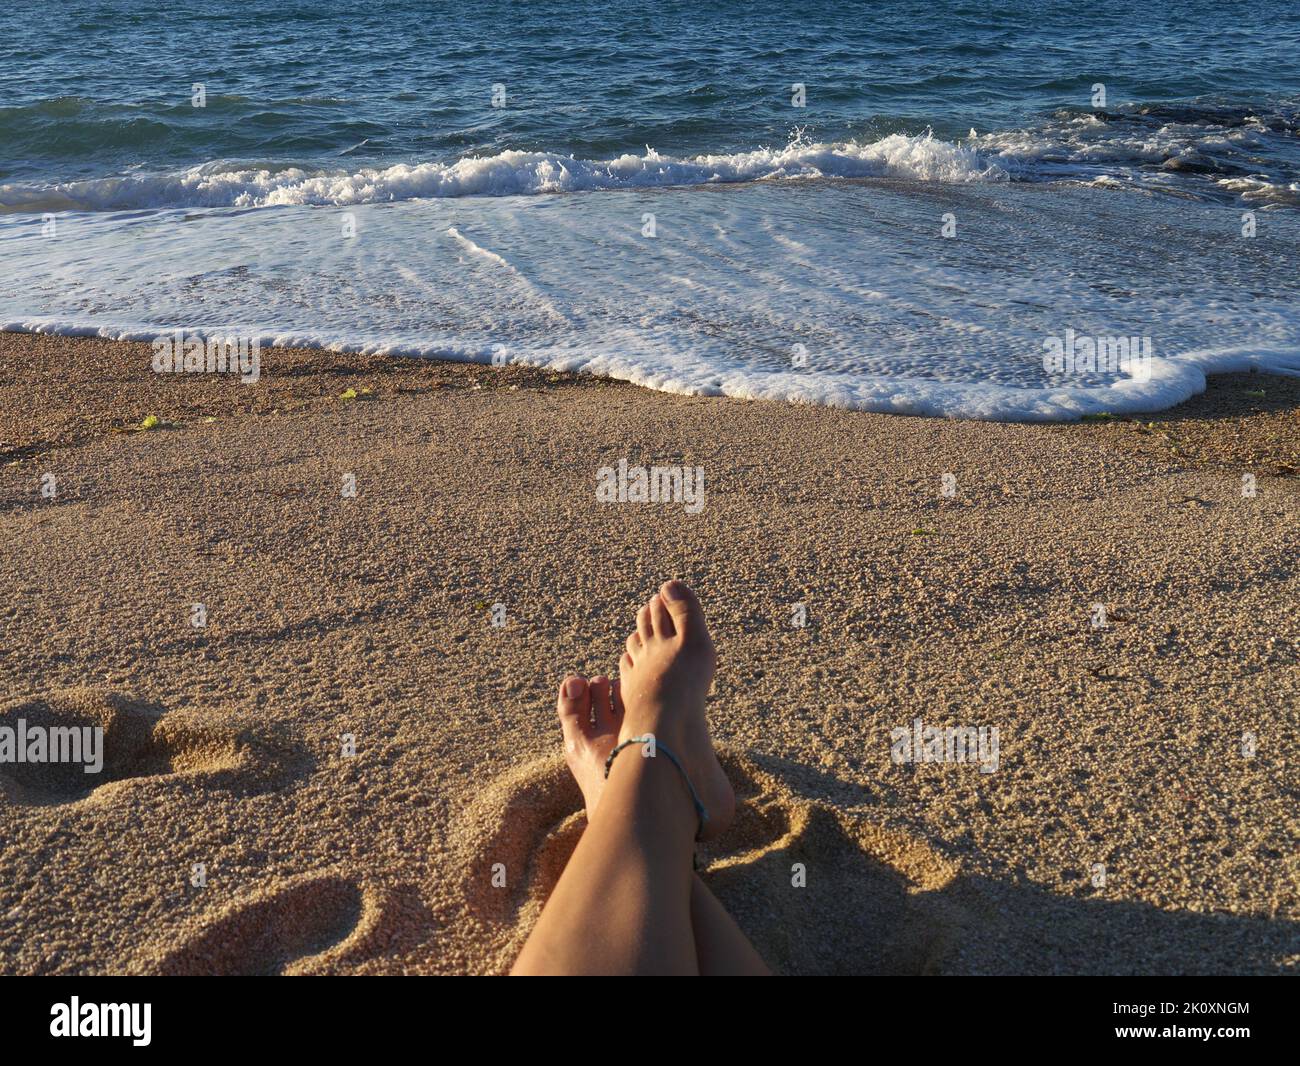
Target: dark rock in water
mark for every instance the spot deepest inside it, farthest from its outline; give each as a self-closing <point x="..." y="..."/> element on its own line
<point x="1191" y="163"/>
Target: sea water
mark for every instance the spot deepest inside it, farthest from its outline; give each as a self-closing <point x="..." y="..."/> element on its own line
<point x="893" y="207"/>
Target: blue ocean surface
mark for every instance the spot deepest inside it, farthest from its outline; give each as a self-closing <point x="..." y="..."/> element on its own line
<point x="891" y="206"/>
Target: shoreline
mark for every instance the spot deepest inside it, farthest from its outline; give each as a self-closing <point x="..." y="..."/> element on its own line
<point x="370" y="616"/>
<point x="66" y="365"/>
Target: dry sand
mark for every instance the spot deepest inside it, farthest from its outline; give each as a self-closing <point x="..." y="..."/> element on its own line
<point x="371" y="616"/>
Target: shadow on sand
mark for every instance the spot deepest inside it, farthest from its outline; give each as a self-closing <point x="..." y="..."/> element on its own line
<point x="877" y="902"/>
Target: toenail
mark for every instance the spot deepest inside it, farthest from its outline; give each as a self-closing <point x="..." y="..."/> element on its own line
<point x="573" y="687"/>
<point x="673" y="590"/>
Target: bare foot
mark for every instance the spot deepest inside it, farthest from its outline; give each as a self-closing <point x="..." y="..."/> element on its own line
<point x="590" y="721"/>
<point x="664" y="677"/>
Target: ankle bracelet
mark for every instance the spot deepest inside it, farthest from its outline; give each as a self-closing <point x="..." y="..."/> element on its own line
<point x="655" y="748"/>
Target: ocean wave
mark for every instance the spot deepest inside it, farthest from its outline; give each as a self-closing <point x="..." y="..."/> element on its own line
<point x="510" y="173"/>
<point x="1209" y="150"/>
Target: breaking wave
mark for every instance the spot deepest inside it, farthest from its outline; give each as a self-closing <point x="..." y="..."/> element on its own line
<point x="510" y="173"/>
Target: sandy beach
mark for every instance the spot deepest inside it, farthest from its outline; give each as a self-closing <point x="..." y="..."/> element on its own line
<point x="1142" y="816"/>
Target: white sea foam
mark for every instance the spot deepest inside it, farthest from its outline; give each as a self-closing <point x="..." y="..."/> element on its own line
<point x="890" y="315"/>
<point x="1172" y="380"/>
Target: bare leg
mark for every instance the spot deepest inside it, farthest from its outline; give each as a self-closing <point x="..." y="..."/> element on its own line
<point x="623" y="903"/>
<point x="628" y="902"/>
<point x="722" y="949"/>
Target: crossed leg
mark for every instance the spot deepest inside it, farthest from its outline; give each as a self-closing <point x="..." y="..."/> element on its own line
<point x="628" y="901"/>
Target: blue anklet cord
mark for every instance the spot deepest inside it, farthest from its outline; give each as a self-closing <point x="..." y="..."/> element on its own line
<point x="700" y="812"/>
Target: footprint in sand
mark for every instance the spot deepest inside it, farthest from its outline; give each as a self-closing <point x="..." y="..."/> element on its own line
<point x="313" y="924"/>
<point x="871" y="902"/>
<point x="515" y="839"/>
<point x="139" y="740"/>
